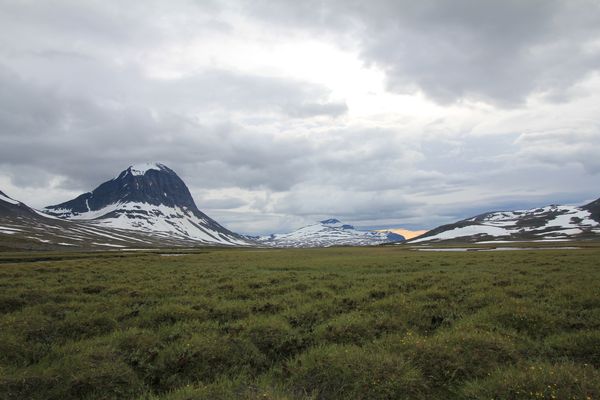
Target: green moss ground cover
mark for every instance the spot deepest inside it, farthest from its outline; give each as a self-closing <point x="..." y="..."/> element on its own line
<point x="344" y="323"/>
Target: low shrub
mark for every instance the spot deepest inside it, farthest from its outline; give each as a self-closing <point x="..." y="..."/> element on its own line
<point x="525" y="318"/>
<point x="10" y="304"/>
<point x="537" y="381"/>
<point x="309" y="314"/>
<point x="228" y="389"/>
<point x="32" y="327"/>
<point x="272" y="335"/>
<point x="139" y="349"/>
<point x="351" y="372"/>
<point x="449" y="358"/>
<point x="582" y="347"/>
<point x="228" y="311"/>
<point x="73" y="372"/>
<point x="204" y="357"/>
<point x="352" y="328"/>
<point x="15" y="352"/>
<point x="81" y="326"/>
<point x="167" y="314"/>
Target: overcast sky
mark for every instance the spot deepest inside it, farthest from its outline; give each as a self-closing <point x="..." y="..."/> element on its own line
<point x="381" y="113"/>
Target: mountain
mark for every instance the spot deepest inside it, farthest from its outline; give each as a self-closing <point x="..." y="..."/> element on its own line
<point x="549" y="223"/>
<point x="148" y="198"/>
<point x="329" y="232"/>
<point x="25" y="228"/>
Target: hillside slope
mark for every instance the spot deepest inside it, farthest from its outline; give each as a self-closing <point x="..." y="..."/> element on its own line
<point x="552" y="222"/>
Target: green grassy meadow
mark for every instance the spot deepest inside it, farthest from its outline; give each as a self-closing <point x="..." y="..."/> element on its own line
<point x="339" y="323"/>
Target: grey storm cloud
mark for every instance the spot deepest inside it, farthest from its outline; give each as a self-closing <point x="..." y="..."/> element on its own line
<point x="493" y="51"/>
<point x="63" y="127"/>
<point x="83" y="95"/>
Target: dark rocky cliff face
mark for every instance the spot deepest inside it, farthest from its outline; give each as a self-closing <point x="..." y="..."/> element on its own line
<point x="155" y="186"/>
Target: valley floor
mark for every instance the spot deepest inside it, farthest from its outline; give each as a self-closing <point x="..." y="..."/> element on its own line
<point x="340" y="323"/>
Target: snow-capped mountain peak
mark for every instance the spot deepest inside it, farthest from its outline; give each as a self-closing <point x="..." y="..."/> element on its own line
<point x="147" y="197"/>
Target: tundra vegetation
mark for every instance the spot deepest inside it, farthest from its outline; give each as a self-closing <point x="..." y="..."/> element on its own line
<point x="338" y="323"/>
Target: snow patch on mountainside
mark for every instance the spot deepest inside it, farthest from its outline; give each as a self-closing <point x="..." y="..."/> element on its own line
<point x="70" y="214"/>
<point x="9" y="231"/>
<point x="472" y="230"/>
<point x="159" y="219"/>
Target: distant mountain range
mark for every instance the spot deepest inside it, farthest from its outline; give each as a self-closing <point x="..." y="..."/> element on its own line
<point x="550" y="223"/>
<point x="148" y="205"/>
<point x="329" y="232"/>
